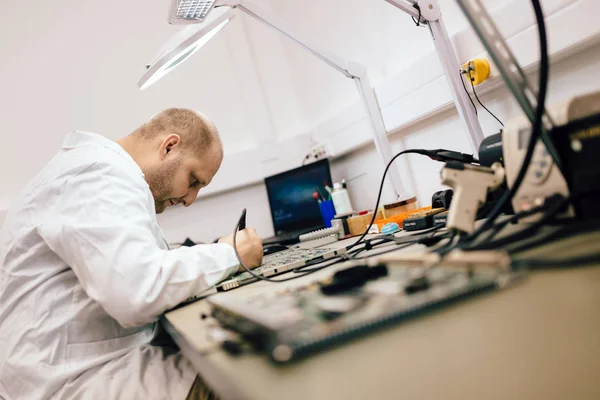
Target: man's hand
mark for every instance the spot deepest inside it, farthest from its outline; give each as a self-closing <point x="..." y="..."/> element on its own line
<point x="249" y="247"/>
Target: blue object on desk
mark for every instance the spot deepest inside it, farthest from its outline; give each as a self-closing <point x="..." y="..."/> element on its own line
<point x="327" y="212"/>
<point x="390" y="228"/>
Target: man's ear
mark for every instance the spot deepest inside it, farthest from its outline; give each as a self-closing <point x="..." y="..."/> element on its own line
<point x="168" y="144"/>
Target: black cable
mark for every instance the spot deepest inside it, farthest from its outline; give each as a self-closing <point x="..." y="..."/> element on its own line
<point x="391" y="250"/>
<point x="562" y="232"/>
<point x="524" y="233"/>
<point x="515" y="218"/>
<point x="400" y="244"/>
<point x="540" y="263"/>
<point x="479" y="101"/>
<point x="264" y="278"/>
<point x="418" y="20"/>
<point x="536" y="128"/>
<point x="549" y="203"/>
<point x="317" y="265"/>
<point x="467" y="92"/>
<point x="447" y="247"/>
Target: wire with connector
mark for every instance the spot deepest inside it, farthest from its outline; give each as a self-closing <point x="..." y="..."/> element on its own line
<point x="436" y="155"/>
<point x="427" y="238"/>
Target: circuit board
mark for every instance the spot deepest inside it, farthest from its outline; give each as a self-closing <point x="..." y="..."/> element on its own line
<point x="282" y="258"/>
<point x="291" y="324"/>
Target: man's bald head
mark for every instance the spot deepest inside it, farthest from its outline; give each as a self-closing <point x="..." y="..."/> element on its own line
<point x="179" y="152"/>
<point x="196" y="131"/>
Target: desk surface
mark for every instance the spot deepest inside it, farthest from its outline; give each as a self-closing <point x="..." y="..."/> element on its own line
<point x="539" y="339"/>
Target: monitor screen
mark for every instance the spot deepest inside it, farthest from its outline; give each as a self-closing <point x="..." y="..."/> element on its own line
<point x="291" y="196"/>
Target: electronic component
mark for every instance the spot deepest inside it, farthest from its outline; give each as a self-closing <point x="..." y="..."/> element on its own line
<point x="543" y="178"/>
<point x="417" y="285"/>
<point x="490" y="258"/>
<point x="421" y="220"/>
<point x="336" y="230"/>
<point x="442" y="199"/>
<point x="490" y="150"/>
<point x="440" y="219"/>
<point x="404" y="260"/>
<point x="578" y="145"/>
<point x="471" y="185"/>
<point x="335" y="306"/>
<point x="291" y="324"/>
<point x="273" y="248"/>
<point x="352" y="277"/>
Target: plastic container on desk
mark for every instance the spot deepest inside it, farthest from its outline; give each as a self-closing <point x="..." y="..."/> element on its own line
<point x="341" y="199"/>
<point x="327" y="212"/>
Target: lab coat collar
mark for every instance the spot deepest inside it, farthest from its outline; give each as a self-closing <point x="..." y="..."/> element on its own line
<point x="77" y="139"/>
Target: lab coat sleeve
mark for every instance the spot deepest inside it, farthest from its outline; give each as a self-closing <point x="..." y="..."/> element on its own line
<point x="102" y="227"/>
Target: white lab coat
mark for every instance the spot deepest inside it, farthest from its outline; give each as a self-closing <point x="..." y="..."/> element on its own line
<point x="84" y="275"/>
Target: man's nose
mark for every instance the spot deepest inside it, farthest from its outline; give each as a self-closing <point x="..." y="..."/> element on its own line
<point x="189" y="198"/>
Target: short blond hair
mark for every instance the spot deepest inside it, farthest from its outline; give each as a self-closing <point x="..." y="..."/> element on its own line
<point x="196" y="131"/>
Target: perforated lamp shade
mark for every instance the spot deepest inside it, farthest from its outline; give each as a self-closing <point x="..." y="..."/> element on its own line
<point x="189" y="11"/>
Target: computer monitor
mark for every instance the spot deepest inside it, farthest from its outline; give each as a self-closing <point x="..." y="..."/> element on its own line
<point x="290" y="193"/>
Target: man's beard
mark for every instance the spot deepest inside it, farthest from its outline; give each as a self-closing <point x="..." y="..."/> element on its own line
<point x="159" y="180"/>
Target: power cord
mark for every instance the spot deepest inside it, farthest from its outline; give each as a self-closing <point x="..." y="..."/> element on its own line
<point x="471" y="79"/>
<point x="467" y="92"/>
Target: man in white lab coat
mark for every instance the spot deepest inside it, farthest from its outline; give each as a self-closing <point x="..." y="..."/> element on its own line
<point x="85" y="271"/>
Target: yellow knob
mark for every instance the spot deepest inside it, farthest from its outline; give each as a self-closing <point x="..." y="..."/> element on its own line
<point x="478" y="70"/>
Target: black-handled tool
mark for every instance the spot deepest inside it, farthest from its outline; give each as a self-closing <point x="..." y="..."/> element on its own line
<point x="242" y="222"/>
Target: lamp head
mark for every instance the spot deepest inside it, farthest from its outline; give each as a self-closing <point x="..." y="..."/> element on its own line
<point x="189" y="11"/>
<point x="184" y="44"/>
